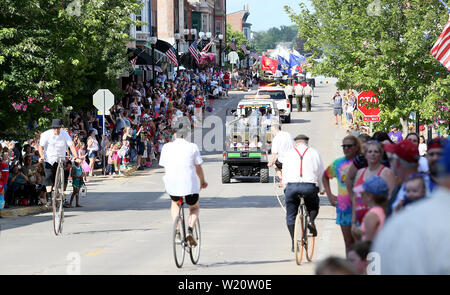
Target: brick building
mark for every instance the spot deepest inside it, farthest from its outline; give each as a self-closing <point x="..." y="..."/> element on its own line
<point x="238" y="21"/>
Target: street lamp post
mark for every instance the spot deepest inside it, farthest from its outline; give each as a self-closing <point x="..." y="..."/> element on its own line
<point x="193" y="34"/>
<point x="153" y="41"/>
<point x="177" y="39"/>
<point x="186" y="39"/>
<point x="220" y="50"/>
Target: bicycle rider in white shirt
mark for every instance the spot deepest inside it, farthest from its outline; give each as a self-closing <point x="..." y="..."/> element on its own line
<point x="53" y="145"/>
<point x="302" y="174"/>
<point x="182" y="163"/>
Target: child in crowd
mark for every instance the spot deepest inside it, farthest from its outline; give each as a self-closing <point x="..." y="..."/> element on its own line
<point x="116" y="159"/>
<point x="40" y="173"/>
<point x="161" y="142"/>
<point x="335" y="266"/>
<point x="415" y="190"/>
<point x="109" y="155"/>
<point x="77" y="182"/>
<point x="357" y="255"/>
<point x="374" y="193"/>
<point x="124" y="153"/>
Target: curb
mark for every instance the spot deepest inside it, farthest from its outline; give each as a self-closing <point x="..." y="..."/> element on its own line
<point x="24" y="211"/>
<point x="33" y="210"/>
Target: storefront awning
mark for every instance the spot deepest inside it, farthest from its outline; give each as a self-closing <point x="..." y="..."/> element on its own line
<point x="143" y="57"/>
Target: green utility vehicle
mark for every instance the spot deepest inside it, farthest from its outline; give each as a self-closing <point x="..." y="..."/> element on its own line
<point x="248" y="139"/>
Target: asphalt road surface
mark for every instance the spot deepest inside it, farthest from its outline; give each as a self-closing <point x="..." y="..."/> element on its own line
<point x="125" y="225"/>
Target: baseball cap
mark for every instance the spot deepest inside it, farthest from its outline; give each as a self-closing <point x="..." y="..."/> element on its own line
<point x="373" y="185"/>
<point x="405" y="150"/>
<point x="437" y="143"/>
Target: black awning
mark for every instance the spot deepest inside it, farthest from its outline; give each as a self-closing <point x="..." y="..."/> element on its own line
<point x="143" y="57"/>
<point x="163" y="46"/>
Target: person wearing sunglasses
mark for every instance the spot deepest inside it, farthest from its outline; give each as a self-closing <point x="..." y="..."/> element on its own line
<point x="343" y="203"/>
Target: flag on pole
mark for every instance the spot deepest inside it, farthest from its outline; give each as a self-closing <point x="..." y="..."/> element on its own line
<point x="296" y="61"/>
<point x="194" y="51"/>
<point x="208" y="46"/>
<point x="172" y="56"/>
<point x="269" y="64"/>
<point x="283" y="65"/>
<point x="133" y="62"/>
<point x="233" y="45"/>
<point x="254" y="55"/>
<point x="244" y="49"/>
<point x="441" y="49"/>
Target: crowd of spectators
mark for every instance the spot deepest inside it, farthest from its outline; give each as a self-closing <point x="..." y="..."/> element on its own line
<point x="138" y="126"/>
<point x="393" y="192"/>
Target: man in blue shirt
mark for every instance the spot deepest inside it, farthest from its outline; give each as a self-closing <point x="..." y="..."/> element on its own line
<point x="189" y="97"/>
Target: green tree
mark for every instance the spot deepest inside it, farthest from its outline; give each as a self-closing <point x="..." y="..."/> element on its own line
<point x="381" y="47"/>
<point x="239" y="39"/>
<point x="266" y="40"/>
<point x="55" y="54"/>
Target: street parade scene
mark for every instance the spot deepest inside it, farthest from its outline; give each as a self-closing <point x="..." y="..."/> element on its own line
<point x="214" y="138"/>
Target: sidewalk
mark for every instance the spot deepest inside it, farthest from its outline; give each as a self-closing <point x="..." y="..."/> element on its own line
<point x="16" y="211"/>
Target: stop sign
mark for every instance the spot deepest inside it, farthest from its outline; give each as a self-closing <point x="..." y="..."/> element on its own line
<point x="368" y="103"/>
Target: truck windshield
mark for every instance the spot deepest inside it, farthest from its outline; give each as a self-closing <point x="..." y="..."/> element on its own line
<point x="273" y="94"/>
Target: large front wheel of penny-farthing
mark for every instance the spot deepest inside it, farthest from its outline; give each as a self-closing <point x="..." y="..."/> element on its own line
<point x="58" y="201"/>
<point x="309" y="240"/>
<point x="195" y="251"/>
<point x="298" y="239"/>
<point x="179" y="242"/>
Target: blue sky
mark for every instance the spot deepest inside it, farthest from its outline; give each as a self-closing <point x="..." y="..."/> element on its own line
<point x="265" y="14"/>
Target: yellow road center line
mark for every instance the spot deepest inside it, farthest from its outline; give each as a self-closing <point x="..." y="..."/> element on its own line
<point x="95" y="253"/>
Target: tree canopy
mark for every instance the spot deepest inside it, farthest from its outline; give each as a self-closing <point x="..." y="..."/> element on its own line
<point x="381" y="45"/>
<point x="266" y="40"/>
<point x="239" y="39"/>
<point x="55" y="54"/>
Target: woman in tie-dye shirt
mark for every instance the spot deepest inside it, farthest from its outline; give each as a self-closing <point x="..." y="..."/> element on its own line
<point x="338" y="169"/>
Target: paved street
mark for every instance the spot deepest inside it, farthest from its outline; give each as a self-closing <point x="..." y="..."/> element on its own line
<point x="125" y="225"/>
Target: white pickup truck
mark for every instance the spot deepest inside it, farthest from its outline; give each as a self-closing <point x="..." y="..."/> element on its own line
<point x="278" y="94"/>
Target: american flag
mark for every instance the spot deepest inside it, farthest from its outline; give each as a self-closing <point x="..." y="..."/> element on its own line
<point x="194" y="51"/>
<point x="244" y="49"/>
<point x="133" y="62"/>
<point x="441" y="49"/>
<point x="172" y="56"/>
<point x="233" y="45"/>
<point x="254" y="55"/>
<point x="208" y="46"/>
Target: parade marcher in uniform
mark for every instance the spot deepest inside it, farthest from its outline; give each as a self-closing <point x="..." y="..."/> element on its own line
<point x="298" y="90"/>
<point x="308" y="93"/>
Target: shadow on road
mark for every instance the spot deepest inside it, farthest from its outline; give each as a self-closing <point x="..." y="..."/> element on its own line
<point x="227" y="263"/>
<point x="110" y="231"/>
<point x="298" y="121"/>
